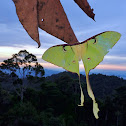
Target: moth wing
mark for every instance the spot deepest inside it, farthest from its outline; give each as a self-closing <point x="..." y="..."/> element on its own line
<point x="97" y="47"/>
<point x="93" y="52"/>
<point x="62" y="56"/>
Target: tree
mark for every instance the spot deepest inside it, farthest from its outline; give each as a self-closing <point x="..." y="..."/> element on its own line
<point x="20" y="67"/>
<point x="120" y="103"/>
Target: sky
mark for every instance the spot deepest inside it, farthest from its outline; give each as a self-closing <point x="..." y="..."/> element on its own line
<point x="110" y="16"/>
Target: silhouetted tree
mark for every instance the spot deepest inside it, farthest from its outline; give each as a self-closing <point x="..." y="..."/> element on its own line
<point x="120" y="105"/>
<point x="20" y="66"/>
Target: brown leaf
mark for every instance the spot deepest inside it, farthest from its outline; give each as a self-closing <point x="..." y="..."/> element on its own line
<point x="49" y="15"/>
<point x="53" y="20"/>
<point x="27" y="14"/>
<point x="84" y="5"/>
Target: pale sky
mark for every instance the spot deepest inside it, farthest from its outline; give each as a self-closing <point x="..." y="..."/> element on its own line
<point x="110" y="15"/>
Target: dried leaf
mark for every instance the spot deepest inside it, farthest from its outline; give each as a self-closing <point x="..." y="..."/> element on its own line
<point x="27" y="13"/>
<point x="84" y="5"/>
<point x="49" y="15"/>
<point x="53" y="20"/>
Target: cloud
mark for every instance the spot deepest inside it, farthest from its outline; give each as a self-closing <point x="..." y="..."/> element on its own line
<point x="101" y="66"/>
<point x="115" y="58"/>
<point x="7" y="51"/>
<point x="111" y="67"/>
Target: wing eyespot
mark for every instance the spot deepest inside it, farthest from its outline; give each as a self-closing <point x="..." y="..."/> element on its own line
<point x="64" y="49"/>
<point x="73" y="61"/>
<point x="95" y="41"/>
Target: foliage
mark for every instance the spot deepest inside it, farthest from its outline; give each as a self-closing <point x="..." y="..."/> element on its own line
<point x="20" y="67"/>
<point x="55" y="102"/>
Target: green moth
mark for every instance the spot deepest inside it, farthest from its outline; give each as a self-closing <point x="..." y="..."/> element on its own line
<point x="91" y="52"/>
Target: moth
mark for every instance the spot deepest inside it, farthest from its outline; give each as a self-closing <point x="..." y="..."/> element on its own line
<point x="91" y="52"/>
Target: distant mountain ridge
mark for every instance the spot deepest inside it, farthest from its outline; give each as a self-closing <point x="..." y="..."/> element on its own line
<point x="102" y="85"/>
<point x="49" y="72"/>
<point x="120" y="74"/>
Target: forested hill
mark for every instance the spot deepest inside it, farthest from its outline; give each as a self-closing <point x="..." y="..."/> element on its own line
<point x="102" y="85"/>
<point x="53" y="101"/>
